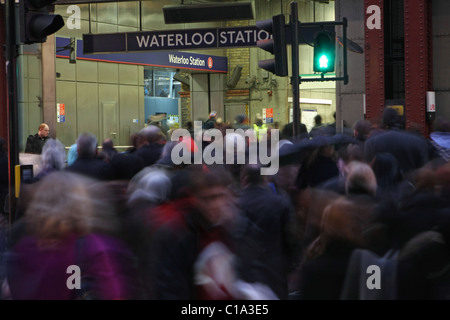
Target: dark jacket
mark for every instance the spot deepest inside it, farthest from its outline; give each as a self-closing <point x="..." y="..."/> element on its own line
<point x="323" y="278"/>
<point x="410" y="150"/>
<point x="179" y="234"/>
<point x="209" y="124"/>
<point x="35" y="144"/>
<point x="321" y="170"/>
<point x="93" y="167"/>
<point x="150" y="153"/>
<point x="267" y="248"/>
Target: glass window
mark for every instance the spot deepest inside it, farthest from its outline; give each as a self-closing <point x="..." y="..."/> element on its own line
<point x="160" y="83"/>
<point x="163" y="84"/>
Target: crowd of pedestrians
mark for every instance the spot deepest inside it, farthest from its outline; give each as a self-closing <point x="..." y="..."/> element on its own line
<point x="139" y="225"/>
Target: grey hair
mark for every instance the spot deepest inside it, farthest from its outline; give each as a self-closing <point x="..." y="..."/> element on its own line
<point x="150" y="184"/>
<point x="151" y="133"/>
<point x="87" y="144"/>
<point x="53" y="154"/>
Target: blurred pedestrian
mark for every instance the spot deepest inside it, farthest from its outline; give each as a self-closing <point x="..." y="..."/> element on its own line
<point x="71" y="237"/>
<point x="361" y="130"/>
<point x="411" y="151"/>
<point x="318" y="125"/>
<point x="4" y="175"/>
<point x="323" y="270"/>
<point x="150" y="188"/>
<point x="203" y="214"/>
<point x="53" y="158"/>
<point x="151" y="143"/>
<point x="241" y="122"/>
<point x="211" y="122"/>
<point x="72" y="154"/>
<point x="88" y="162"/>
<point x="270" y="247"/>
<point x="108" y="150"/>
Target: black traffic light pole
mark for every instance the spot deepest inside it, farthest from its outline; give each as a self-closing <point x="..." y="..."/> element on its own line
<point x="13" y="136"/>
<point x="295" y="79"/>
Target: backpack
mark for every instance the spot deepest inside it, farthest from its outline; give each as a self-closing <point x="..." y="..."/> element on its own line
<point x="427" y="251"/>
<point x="370" y="276"/>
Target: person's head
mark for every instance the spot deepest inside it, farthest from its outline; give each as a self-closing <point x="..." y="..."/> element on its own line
<point x="341" y="221"/>
<point x="360" y="178"/>
<point x="318" y="120"/>
<point x="86" y="207"/>
<point x="258" y="119"/>
<point x="390" y="118"/>
<point x="151" y="134"/>
<point x="386" y="169"/>
<point x="219" y="122"/>
<point x="53" y="154"/>
<point x="210" y="189"/>
<point x="43" y="130"/>
<point x="151" y="184"/>
<point x="240" y="118"/>
<point x="361" y="129"/>
<point x="251" y="175"/>
<point x="86" y="145"/>
<point x="107" y="144"/>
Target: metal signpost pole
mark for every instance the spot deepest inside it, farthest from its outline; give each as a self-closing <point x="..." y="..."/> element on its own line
<point x="295" y="79"/>
<point x="13" y="139"/>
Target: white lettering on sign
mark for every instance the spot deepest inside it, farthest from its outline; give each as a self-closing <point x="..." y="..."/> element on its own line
<point x="230" y="37"/>
<point x="374" y="20"/>
<point x="175" y="40"/>
<point x="186" y="61"/>
<point x="200" y="38"/>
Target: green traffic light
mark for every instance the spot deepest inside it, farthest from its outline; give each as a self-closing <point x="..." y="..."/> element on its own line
<point x="324" y="52"/>
<point x="323" y="62"/>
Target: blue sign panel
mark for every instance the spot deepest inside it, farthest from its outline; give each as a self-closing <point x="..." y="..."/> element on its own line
<point x="173" y="59"/>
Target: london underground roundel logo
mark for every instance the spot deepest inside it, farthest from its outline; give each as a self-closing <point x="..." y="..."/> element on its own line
<point x="210" y="62"/>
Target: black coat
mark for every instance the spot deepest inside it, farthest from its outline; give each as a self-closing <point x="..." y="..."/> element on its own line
<point x="267" y="249"/>
<point x="35" y="144"/>
<point x="323" y="278"/>
<point x="93" y="167"/>
<point x="178" y="235"/>
<point x="410" y="150"/>
<point x="150" y="153"/>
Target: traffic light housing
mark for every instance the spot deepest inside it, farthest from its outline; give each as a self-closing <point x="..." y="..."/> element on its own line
<point x="36" y="20"/>
<point x="276" y="45"/>
<point x="324" y="51"/>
